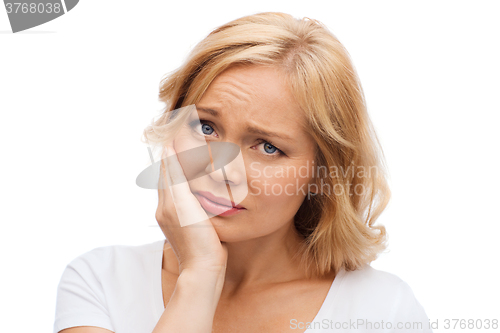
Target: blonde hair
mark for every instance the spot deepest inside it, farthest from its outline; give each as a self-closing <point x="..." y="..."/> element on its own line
<point x="339" y="229"/>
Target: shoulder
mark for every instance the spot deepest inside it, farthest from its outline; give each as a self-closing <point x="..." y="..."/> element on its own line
<point x="375" y="294"/>
<point x="370" y="285"/>
<point x="104" y="254"/>
<point x="369" y="279"/>
<point x="106" y="281"/>
<point x="112" y="259"/>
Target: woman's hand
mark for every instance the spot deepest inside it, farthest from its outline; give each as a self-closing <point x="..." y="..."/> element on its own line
<point x="196" y="246"/>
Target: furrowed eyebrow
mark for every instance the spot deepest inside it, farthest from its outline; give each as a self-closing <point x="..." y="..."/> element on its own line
<point x="213" y="112"/>
<point x="250" y="129"/>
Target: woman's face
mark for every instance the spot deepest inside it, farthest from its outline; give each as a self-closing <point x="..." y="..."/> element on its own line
<point x="278" y="167"/>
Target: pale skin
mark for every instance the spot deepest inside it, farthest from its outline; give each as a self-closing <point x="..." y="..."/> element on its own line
<point x="241" y="266"/>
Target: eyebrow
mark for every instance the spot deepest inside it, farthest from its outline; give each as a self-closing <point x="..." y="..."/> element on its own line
<point x="250" y="129"/>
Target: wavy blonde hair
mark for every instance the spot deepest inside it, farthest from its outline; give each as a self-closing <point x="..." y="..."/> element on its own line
<point x="338" y="229"/>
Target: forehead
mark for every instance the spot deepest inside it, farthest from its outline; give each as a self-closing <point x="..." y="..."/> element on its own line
<point x="255" y="94"/>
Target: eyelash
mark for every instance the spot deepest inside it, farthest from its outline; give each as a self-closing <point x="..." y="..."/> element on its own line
<point x="260" y="141"/>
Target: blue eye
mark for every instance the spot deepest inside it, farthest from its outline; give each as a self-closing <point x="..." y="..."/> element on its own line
<point x="266" y="145"/>
<point x="207" y="129"/>
<point x="273" y="150"/>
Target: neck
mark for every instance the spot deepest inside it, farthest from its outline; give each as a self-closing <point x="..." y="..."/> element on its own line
<point x="259" y="261"/>
<point x="264" y="260"/>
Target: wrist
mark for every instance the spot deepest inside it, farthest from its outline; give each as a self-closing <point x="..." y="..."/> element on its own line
<point x="202" y="284"/>
<point x="202" y="269"/>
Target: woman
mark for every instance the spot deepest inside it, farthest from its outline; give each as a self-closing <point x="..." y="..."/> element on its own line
<point x="285" y="259"/>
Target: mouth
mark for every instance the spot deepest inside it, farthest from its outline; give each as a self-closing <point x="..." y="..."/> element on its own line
<point x="219" y="200"/>
<point x="216" y="205"/>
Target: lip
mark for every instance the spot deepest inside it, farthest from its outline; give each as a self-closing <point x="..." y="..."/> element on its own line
<point x="216" y="208"/>
<point x="220" y="201"/>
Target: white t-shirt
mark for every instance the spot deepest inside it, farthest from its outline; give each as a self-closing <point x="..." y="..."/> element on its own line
<point x="119" y="288"/>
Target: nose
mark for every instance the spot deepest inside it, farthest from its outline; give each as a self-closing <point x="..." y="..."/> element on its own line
<point x="227" y="162"/>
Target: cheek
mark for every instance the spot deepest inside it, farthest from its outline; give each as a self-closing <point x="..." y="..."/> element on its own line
<point x="194" y="160"/>
<point x="184" y="140"/>
<point x="274" y="185"/>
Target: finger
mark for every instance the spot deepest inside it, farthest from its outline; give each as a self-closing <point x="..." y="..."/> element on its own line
<point x="178" y="183"/>
<point x="189" y="210"/>
<point x="164" y="193"/>
<point x="162" y="179"/>
<point x="166" y="168"/>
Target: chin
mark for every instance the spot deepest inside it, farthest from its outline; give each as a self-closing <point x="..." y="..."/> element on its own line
<point x="230" y="234"/>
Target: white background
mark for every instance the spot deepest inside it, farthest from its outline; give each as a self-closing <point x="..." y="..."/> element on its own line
<point x="76" y="93"/>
